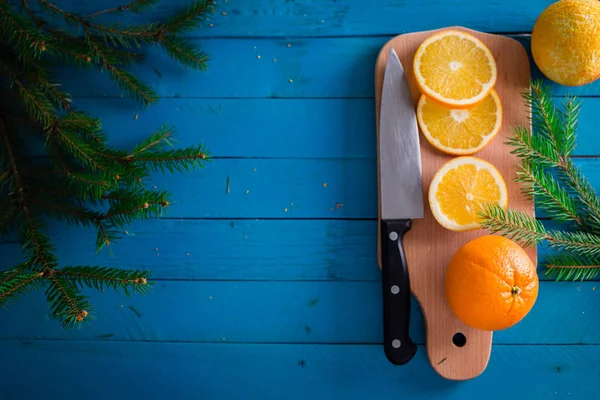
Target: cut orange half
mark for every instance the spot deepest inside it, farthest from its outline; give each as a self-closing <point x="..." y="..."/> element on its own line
<point x="454" y="68"/>
<point x="459" y="131"/>
<point x="461" y="188"/>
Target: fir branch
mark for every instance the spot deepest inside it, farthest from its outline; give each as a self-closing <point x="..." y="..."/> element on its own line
<point x="185" y="53"/>
<point x="176" y="160"/>
<point x="136" y="6"/>
<point x="515" y="225"/>
<point x="548" y="193"/>
<point x="101" y="278"/>
<point x="152" y="142"/>
<point x="572" y="267"/>
<point x="9" y="275"/>
<point x="548" y="123"/>
<point x="86" y="126"/>
<point x="70" y="47"/>
<point x="569" y="118"/>
<point x="550" y="148"/>
<point x="67" y="305"/>
<point x="125" y="80"/>
<point x="33" y="97"/>
<point x="35" y="244"/>
<point x="80" y="149"/>
<point x="585" y="193"/>
<point x="532" y="149"/>
<point x="67" y="211"/>
<point x="105" y="236"/>
<point x="28" y="42"/>
<point x="122" y="36"/>
<point x="18" y="285"/>
<point x="188" y="18"/>
<point x="82" y="171"/>
<point x="59" y="12"/>
<point x="127" y="204"/>
<point x="87" y="185"/>
<point x="580" y="243"/>
<point x="525" y="229"/>
<point x="132" y="85"/>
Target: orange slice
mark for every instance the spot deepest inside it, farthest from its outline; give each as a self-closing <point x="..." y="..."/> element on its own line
<point x="461" y="188"/>
<point x="459" y="131"/>
<point x="454" y="68"/>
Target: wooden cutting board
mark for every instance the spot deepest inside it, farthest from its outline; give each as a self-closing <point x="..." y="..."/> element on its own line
<point x="428" y="245"/>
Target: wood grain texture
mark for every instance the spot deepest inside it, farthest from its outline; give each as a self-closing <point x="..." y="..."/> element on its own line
<point x="232" y="371"/>
<point x="274" y="128"/>
<point x="286" y="312"/>
<point x="318" y="68"/>
<point x="429" y="246"/>
<point x="285" y="188"/>
<point x="317" y="129"/>
<point x="233" y="250"/>
<point x="243" y="18"/>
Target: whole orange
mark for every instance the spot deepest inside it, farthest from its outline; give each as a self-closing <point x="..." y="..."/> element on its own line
<point x="491" y="283"/>
<point x="565" y="42"/>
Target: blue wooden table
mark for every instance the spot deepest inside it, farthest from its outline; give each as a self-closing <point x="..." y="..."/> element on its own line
<point x="271" y="290"/>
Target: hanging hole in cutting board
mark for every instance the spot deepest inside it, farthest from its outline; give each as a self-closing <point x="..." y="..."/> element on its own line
<point x="459" y="339"/>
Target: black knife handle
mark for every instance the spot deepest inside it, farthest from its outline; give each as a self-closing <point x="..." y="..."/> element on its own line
<point x="397" y="345"/>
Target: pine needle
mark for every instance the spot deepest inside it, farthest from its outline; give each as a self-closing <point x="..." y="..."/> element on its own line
<point x="515" y="225"/>
<point x="82" y="180"/>
<point x="549" y="175"/>
<point x="572" y="267"/>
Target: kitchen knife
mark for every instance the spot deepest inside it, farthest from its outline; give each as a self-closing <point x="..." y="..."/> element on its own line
<point x="401" y="200"/>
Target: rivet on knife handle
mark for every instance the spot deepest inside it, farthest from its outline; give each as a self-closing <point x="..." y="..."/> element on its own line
<point x="398" y="347"/>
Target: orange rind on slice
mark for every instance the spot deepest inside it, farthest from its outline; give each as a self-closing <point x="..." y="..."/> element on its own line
<point x="462" y="188"/>
<point x="459" y="131"/>
<point x="454" y="68"/>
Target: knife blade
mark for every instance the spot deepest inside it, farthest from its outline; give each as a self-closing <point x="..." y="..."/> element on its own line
<point x="401" y="201"/>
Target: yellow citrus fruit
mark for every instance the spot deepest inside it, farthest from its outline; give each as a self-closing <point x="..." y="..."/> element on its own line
<point x="461" y="188"/>
<point x="565" y="42"/>
<point x="454" y="68"/>
<point x="459" y="131"/>
<point x="491" y="283"/>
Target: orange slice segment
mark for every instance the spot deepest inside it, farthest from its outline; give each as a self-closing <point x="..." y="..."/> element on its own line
<point x="460" y="131"/>
<point x="461" y="188"/>
<point x="454" y="68"/>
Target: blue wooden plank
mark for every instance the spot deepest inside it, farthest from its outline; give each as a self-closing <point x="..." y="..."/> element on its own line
<point x="282" y="188"/>
<point x="223" y="371"/>
<point x="228" y="249"/>
<point x="318" y="68"/>
<point x="286" y="312"/>
<point x="288" y="188"/>
<point x="317" y="128"/>
<point x="298" y="128"/>
<point x="276" y="250"/>
<point x="317" y="18"/>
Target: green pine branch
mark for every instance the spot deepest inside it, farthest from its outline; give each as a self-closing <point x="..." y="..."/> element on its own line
<point x="572" y="267"/>
<point x="20" y="33"/>
<point x="515" y="225"/>
<point x="528" y="231"/>
<point x="13" y="285"/>
<point x="549" y="175"/>
<point x="82" y="180"/>
<point x="102" y="278"/>
<point x="136" y="6"/>
<point x="67" y="303"/>
<point x="539" y="184"/>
